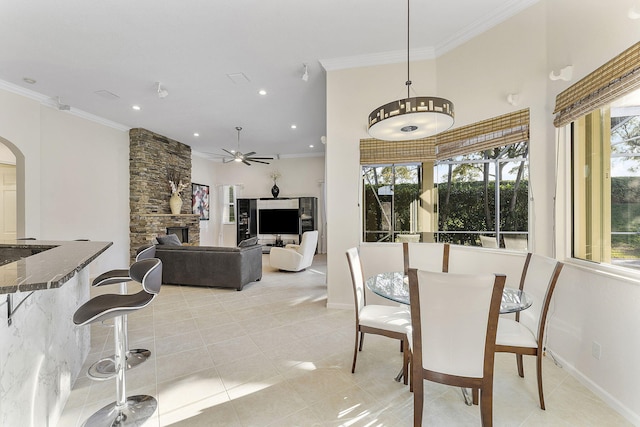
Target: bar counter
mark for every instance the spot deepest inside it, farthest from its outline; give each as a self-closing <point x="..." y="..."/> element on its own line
<point x="41" y="350"/>
<point x="41" y="264"/>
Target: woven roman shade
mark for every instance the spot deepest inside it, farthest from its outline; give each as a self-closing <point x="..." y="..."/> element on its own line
<point x="376" y="151"/>
<point x="495" y="132"/>
<point x="614" y="79"/>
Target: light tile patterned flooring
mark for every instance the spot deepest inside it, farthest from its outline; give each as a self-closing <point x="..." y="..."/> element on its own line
<point x="274" y="355"/>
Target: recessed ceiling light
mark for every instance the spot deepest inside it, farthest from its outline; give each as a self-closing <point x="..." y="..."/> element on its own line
<point x="196" y="134"/>
<point x="294" y="127"/>
<point x="262" y="92"/>
<point x="29" y="80"/>
<point x="311" y="146"/>
<point x="136" y="107"/>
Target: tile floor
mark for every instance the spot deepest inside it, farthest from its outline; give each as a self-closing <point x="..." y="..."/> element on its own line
<point x="274" y="355"/>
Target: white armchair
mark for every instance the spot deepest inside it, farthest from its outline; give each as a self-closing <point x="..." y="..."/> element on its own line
<point x="295" y="257"/>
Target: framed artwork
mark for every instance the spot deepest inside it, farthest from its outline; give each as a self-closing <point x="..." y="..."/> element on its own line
<point x="200" y="201"/>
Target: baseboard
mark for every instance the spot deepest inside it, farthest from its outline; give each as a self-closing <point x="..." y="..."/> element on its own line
<point x="614" y="403"/>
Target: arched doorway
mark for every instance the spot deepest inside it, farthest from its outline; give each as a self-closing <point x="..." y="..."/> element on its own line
<point x="11" y="191"/>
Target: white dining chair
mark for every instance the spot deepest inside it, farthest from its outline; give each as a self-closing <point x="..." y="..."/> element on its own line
<point x="524" y="335"/>
<point x="385" y="320"/>
<point x="454" y="320"/>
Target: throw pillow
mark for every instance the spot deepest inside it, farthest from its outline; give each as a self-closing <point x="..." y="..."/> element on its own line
<point x="170" y="240"/>
<point x="251" y="241"/>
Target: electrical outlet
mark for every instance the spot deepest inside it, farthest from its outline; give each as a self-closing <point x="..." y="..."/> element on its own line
<point x="596" y="350"/>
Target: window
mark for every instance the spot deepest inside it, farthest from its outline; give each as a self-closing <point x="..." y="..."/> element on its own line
<point x="606" y="183"/>
<point x="229" y="204"/>
<point x="484" y="194"/>
<point x="468" y="185"/>
<point x="391" y="198"/>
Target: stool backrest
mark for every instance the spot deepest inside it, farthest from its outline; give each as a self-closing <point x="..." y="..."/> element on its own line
<point x="148" y="272"/>
<point x="146" y="252"/>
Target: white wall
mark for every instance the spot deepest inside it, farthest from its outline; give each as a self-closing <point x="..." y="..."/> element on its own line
<point x="76" y="176"/>
<point x="351" y="95"/>
<point x="514" y="57"/>
<point x="203" y="172"/>
<point x="301" y="176"/>
<point x="592" y="303"/>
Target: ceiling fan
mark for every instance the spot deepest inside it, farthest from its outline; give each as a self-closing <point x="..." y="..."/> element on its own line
<point x="238" y="156"/>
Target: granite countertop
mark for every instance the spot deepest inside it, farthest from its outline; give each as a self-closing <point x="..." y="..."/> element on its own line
<point x="54" y="264"/>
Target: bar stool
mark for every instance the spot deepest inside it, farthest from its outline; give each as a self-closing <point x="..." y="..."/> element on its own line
<point x="132" y="410"/>
<point x="104" y="369"/>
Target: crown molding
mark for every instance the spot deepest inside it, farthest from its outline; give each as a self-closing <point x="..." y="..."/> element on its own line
<point x="381" y="58"/>
<point x="392" y="57"/>
<point x="51" y="103"/>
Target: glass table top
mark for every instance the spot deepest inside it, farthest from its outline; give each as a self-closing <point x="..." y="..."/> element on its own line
<point x="395" y="287"/>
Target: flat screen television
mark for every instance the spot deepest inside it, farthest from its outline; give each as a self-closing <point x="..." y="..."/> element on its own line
<point x="278" y="221"/>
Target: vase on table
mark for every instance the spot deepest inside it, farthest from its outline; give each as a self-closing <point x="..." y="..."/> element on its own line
<point x="175" y="203"/>
<point x="275" y="191"/>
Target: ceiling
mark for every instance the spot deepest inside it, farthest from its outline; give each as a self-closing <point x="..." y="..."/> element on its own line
<point x="213" y="57"/>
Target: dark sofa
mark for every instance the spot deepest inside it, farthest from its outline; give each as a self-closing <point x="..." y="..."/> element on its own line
<point x="226" y="267"/>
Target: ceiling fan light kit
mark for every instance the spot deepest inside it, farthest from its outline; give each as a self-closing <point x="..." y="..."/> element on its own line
<point x="412" y="117"/>
<point x="238" y="156"/>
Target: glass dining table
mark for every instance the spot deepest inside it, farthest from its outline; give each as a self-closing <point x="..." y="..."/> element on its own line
<point x="394" y="286"/>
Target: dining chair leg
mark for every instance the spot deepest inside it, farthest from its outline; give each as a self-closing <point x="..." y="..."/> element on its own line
<point x="520" y="365"/>
<point x="486" y="406"/>
<point x="355" y="353"/>
<point x="405" y="360"/>
<point x="474" y="396"/>
<point x="411" y="378"/>
<point x="361" y="340"/>
<point x="418" y="399"/>
<point x="539" y="372"/>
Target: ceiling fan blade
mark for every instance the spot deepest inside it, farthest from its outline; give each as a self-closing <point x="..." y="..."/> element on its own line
<point x="246" y="163"/>
<point x="258" y="161"/>
<point x="250" y="154"/>
<point x="262" y="158"/>
<point x="227" y="160"/>
<point x="227" y="151"/>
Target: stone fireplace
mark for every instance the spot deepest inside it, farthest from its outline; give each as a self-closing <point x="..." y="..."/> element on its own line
<point x="152" y="158"/>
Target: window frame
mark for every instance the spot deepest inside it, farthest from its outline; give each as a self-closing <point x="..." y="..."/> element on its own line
<point x="497" y="214"/>
<point x="229" y="206"/>
<point x="433" y="229"/>
<point x="601" y="253"/>
<point x="393" y="220"/>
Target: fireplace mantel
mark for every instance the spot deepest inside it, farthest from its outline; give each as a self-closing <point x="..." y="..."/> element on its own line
<point x="144" y="227"/>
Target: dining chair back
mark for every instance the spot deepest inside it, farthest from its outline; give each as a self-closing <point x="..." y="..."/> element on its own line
<point x="454" y="321"/>
<point x="517" y="243"/>
<point x="426" y="256"/>
<point x="488" y="242"/>
<point x="389" y="321"/>
<point x="524" y="335"/>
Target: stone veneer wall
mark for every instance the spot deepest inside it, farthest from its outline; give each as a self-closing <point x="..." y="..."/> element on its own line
<point x="152" y="158"/>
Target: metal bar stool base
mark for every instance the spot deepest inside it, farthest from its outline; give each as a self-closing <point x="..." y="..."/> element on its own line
<point x="105" y="369"/>
<point x="137" y="410"/>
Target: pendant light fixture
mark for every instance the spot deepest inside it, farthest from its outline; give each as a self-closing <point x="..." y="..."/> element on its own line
<point x="411" y="118"/>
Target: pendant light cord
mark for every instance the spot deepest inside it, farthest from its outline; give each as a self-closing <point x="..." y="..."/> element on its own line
<point x="408" y="83"/>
